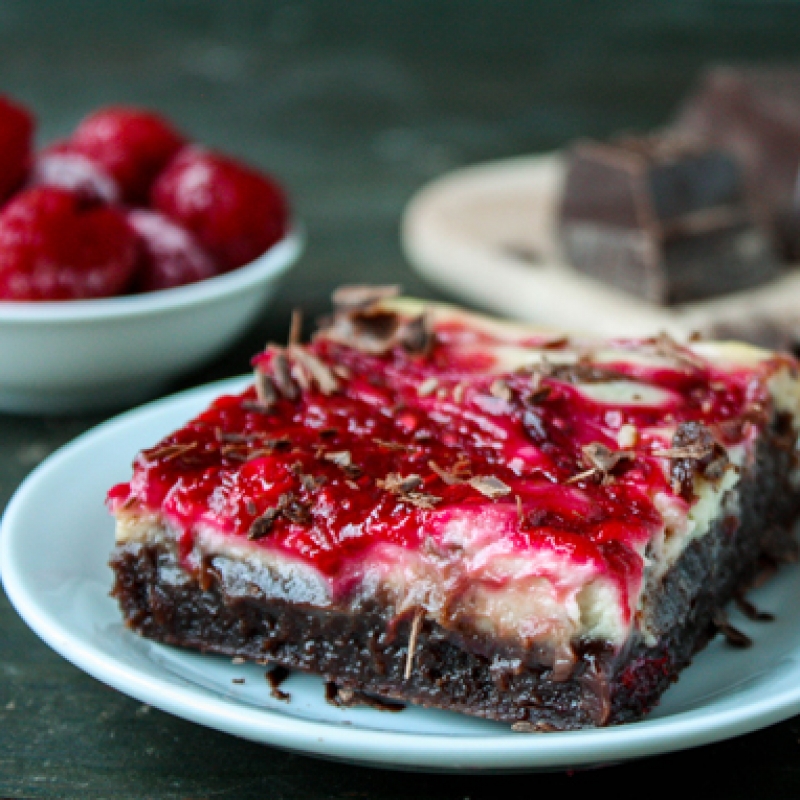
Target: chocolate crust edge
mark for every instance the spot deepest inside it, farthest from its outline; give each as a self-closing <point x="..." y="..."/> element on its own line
<point x="366" y="649"/>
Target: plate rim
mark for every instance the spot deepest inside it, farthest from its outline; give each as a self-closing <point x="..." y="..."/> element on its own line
<point x="365" y="745"/>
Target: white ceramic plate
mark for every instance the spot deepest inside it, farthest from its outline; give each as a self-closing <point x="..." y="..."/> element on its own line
<point x="55" y="541"/>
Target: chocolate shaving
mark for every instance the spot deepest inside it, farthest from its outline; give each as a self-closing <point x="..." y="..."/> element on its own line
<point x="450" y="478"/>
<point x="602" y="461"/>
<point x="294" y="510"/>
<point x="405" y="488"/>
<point x="344" y="461"/>
<point x="318" y="371"/>
<point x="491" y="487"/>
<point x="275" y="677"/>
<point x="521" y="518"/>
<point x="296" y="327"/>
<point x="416" y="627"/>
<point x="360" y="322"/>
<point x="257" y="406"/>
<point x="694" y="450"/>
<point x="358" y="297"/>
<point x="750" y="611"/>
<point x="168" y="452"/>
<point x="732" y="635"/>
<point x="394" y="483"/>
<point x="344" y="697"/>
<point x="416" y="336"/>
<point x="603" y="458"/>
<point x="266" y="393"/>
<point x="580" y="372"/>
<point x="664" y="345"/>
<point x="533" y="727"/>
<point x="289" y="506"/>
<point x="282" y="377"/>
<point x="422" y="500"/>
<point x="262" y="525"/>
<point x="393" y="445"/>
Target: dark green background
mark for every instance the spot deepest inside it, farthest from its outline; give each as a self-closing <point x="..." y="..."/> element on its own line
<point x="353" y="105"/>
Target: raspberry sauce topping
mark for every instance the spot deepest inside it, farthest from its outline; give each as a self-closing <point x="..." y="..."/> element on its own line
<point x="400" y="422"/>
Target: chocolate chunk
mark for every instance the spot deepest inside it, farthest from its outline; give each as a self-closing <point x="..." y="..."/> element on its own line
<point x="662" y="218"/>
<point x="754" y="112"/>
<point x="489" y="486"/>
<point x="694" y="451"/>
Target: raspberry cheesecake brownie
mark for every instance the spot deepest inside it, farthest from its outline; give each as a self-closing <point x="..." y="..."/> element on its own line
<point x="431" y="506"/>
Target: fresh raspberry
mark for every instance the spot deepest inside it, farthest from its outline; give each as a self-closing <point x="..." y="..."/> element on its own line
<point x="168" y="255"/>
<point x="16" y="130"/>
<point x="60" y="165"/>
<point x="53" y="246"/>
<point x="132" y="145"/>
<point x="235" y="212"/>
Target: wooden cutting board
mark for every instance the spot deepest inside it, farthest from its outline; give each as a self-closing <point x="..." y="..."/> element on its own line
<point x="486" y="235"/>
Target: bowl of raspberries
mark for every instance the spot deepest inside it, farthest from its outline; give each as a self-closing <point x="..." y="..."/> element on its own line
<point x="128" y="254"/>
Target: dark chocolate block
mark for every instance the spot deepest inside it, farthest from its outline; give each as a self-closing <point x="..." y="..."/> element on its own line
<point x="754" y="112"/>
<point x="664" y="218"/>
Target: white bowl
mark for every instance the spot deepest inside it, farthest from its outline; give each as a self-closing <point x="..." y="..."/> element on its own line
<point x="87" y="355"/>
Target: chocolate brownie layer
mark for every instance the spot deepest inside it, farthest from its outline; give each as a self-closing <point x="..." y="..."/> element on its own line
<point x="367" y="648"/>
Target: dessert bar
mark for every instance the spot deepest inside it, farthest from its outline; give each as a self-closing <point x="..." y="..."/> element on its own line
<point x="662" y="217"/>
<point x="430" y="506"/>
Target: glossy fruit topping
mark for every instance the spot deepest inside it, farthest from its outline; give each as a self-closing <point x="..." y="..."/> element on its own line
<point x="235" y="212"/>
<point x="54" y="246"/>
<point x="386" y="431"/>
<point x="131" y="144"/>
<point x="169" y="255"/>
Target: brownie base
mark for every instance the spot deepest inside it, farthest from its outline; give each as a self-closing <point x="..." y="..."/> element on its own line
<point x="366" y="648"/>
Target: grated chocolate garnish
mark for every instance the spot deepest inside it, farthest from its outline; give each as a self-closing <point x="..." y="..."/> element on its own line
<point x="294" y="509"/>
<point x="318" y="371"/>
<point x="282" y="377"/>
<point x="533" y="727"/>
<point x="344" y="461"/>
<point x="289" y="506"/>
<point x="694" y="450"/>
<point x="275" y="677"/>
<point x="296" y="327"/>
<point x="450" y="478"/>
<point x="266" y="393"/>
<point x="263" y="525"/>
<point x="344" y="697"/>
<point x="427" y="502"/>
<point x="732" y="635"/>
<point x="393" y="445"/>
<point x="489" y="486"/>
<point x="168" y="452"/>
<point x="394" y="483"/>
<point x="416" y="627"/>
<point x="256" y="406"/>
<point x="416" y="335"/>
<point x="750" y="611"/>
<point x="664" y="345"/>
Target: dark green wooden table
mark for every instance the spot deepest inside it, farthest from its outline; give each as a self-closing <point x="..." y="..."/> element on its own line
<point x="354" y="104"/>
